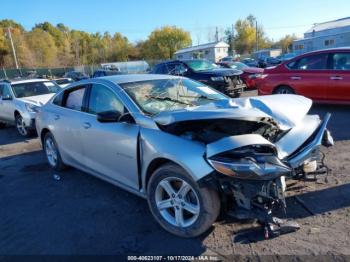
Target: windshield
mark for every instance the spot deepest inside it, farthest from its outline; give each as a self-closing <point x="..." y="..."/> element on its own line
<point x="155" y="96"/>
<point x="200" y="65"/>
<point x="34" y="89"/>
<point x="238" y="65"/>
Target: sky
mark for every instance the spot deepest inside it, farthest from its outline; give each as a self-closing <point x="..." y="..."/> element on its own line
<point x="136" y="19"/>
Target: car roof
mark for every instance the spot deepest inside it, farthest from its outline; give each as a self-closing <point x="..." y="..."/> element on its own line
<point x="122" y="79"/>
<point x="30" y="80"/>
<point x="328" y="50"/>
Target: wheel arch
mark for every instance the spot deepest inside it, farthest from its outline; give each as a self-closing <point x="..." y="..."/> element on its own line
<point x="43" y="133"/>
<point x="16" y="113"/>
<point x="283" y="85"/>
<point x="153" y="166"/>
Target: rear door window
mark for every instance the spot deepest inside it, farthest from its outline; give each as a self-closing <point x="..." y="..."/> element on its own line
<point x="74" y="98"/>
<point x="341" y="61"/>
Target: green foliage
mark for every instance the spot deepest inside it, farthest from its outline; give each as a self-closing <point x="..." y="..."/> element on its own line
<point x="48" y="45"/>
<point x="246" y="36"/>
<point x="286" y="43"/>
<point x="164" y="42"/>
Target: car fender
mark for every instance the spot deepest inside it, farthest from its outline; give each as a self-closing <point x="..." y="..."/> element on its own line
<point x="188" y="154"/>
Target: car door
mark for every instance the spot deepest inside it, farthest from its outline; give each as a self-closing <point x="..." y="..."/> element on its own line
<point x="7" y="107"/>
<point x="339" y="88"/>
<point x="110" y="148"/>
<point x="67" y="124"/>
<point x="309" y="76"/>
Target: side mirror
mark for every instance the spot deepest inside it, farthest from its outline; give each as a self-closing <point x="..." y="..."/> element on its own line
<point x="108" y="116"/>
<point x="7" y="97"/>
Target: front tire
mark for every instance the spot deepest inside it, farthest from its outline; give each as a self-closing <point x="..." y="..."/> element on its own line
<point x="178" y="204"/>
<point x="52" y="153"/>
<point x="21" y="126"/>
<point x="2" y="125"/>
<point x="283" y="90"/>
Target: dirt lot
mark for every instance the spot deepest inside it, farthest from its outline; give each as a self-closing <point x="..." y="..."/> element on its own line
<point x="81" y="214"/>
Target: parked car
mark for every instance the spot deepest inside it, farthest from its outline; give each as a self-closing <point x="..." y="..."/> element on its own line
<point x="249" y="73"/>
<point x="76" y="75"/>
<point x="323" y="76"/>
<point x="264" y="62"/>
<point x="106" y="72"/>
<point x="250" y="62"/>
<point x="184" y="146"/>
<point x="227" y="81"/>
<point x="227" y="59"/>
<point x="21" y="99"/>
<point x="63" y="82"/>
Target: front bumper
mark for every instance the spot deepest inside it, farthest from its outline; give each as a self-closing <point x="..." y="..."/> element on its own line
<point x="29" y="119"/>
<point x="309" y="151"/>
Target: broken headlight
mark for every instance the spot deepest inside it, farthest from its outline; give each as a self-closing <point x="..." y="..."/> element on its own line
<point x="260" y="168"/>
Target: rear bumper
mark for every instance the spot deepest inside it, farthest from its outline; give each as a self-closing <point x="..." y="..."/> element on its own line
<point x="310" y="149"/>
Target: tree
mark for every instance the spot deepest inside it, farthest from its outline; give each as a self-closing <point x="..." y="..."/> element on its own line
<point x="245" y="39"/>
<point x="286" y="43"/>
<point x="164" y="42"/>
<point x="43" y="47"/>
<point x="3" y="48"/>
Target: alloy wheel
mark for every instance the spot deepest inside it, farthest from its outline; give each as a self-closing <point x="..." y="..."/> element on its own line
<point x="21" y="126"/>
<point x="177" y="202"/>
<point x="51" y="151"/>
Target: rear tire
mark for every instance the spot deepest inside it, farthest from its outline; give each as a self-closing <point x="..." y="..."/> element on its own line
<point x="178" y="204"/>
<point x="52" y="153"/>
<point x="284" y="90"/>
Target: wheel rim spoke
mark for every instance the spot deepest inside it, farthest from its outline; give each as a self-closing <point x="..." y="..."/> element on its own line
<point x="179" y="218"/>
<point x="185" y="188"/>
<point x="194" y="209"/>
<point x="164" y="204"/>
<point x="167" y="187"/>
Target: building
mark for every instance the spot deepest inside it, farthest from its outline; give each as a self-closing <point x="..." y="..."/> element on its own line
<point x="324" y="35"/>
<point x="267" y="53"/>
<point x="211" y="51"/>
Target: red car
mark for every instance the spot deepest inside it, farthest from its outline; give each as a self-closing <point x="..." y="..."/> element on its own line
<point x="249" y="73"/>
<point x="323" y="76"/>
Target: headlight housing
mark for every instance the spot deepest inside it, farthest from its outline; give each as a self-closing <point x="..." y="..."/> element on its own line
<point x="248" y="168"/>
<point x="32" y="108"/>
<point x="217" y="79"/>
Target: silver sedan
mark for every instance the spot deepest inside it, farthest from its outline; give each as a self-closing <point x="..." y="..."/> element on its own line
<point x="188" y="149"/>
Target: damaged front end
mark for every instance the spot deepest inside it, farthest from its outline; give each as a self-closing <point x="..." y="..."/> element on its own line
<point x="250" y="171"/>
<point x="254" y="145"/>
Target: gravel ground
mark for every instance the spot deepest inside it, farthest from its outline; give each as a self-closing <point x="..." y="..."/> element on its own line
<point x="80" y="214"/>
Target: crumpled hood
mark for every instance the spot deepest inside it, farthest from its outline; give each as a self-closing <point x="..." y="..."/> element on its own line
<point x="253" y="70"/>
<point x="37" y="100"/>
<point x="220" y="72"/>
<point x="285" y="110"/>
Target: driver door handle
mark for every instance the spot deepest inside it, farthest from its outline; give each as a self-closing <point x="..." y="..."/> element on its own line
<point x="86" y="125"/>
<point x="336" y="78"/>
<point x="56" y="117"/>
<point x="295" y="78"/>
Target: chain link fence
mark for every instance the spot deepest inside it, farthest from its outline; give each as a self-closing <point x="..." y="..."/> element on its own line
<point x="132" y="67"/>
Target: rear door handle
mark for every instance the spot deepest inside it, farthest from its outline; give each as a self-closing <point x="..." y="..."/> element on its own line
<point x="336" y="78"/>
<point x="295" y="78"/>
<point x="56" y="117"/>
<point x="86" y="125"/>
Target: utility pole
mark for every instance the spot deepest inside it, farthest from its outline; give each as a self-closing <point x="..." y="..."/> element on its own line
<point x="256" y="35"/>
<point x="217" y="35"/>
<point x="13" y="47"/>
